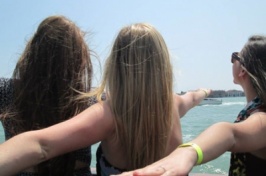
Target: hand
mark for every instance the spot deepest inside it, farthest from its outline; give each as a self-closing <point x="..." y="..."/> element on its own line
<point x="178" y="163"/>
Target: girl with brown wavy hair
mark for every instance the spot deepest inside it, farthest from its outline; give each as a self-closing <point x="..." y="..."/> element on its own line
<point x="42" y="92"/>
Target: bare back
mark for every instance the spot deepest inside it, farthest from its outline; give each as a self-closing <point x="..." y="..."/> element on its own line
<point x="115" y="154"/>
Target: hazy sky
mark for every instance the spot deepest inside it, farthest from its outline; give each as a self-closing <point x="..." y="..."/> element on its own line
<point x="200" y="34"/>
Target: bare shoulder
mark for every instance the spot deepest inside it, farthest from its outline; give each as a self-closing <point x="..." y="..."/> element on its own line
<point x="98" y="110"/>
<point x="101" y="112"/>
<point x="95" y="123"/>
<point x="258" y="116"/>
<point x="257" y="119"/>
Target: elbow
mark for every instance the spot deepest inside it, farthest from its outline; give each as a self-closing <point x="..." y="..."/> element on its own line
<point x="196" y="100"/>
<point x="228" y="136"/>
<point x="39" y="148"/>
<point x="43" y="153"/>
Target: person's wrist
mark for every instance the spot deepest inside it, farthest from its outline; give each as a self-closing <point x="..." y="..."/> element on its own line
<point x="205" y="92"/>
<point x="195" y="148"/>
<point x="189" y="156"/>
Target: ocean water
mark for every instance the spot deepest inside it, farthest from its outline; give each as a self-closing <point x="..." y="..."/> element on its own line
<point x="193" y="123"/>
<point x="201" y="117"/>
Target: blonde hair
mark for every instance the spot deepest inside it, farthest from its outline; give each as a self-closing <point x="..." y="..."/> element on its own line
<point x="138" y="83"/>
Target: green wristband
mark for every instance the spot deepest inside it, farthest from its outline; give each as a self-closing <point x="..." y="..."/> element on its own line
<point x="197" y="148"/>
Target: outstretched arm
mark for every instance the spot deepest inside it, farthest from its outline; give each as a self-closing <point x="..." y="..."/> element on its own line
<point x="246" y="136"/>
<point x="31" y="148"/>
<point x="190" y="99"/>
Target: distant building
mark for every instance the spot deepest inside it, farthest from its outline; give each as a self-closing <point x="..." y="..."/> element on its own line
<point x="223" y="93"/>
<point x="229" y="93"/>
<point x="217" y="93"/>
<point x="235" y="93"/>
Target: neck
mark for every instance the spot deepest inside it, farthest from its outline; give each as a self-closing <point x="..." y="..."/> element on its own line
<point x="250" y="93"/>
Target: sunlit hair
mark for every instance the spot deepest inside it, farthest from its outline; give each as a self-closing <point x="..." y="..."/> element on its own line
<point x="138" y="82"/>
<point x="55" y="63"/>
<point x="254" y="58"/>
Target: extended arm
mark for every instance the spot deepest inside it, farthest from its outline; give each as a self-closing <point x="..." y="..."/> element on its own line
<point x="190" y="99"/>
<point x="246" y="136"/>
<point x="31" y="148"/>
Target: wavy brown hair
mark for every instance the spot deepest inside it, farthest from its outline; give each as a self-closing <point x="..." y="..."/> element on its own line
<point x="254" y="61"/>
<point x="138" y="81"/>
<point x="55" y="63"/>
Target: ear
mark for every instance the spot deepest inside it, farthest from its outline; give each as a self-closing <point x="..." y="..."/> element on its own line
<point x="242" y="72"/>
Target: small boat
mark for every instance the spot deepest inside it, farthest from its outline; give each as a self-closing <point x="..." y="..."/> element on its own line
<point x="210" y="101"/>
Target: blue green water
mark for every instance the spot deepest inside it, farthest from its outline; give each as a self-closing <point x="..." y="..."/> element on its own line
<point x="193" y="123"/>
<point x="200" y="117"/>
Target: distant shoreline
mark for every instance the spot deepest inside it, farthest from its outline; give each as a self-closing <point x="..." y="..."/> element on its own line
<point x="222" y="93"/>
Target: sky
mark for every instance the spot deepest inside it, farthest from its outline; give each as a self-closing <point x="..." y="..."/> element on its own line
<point x="200" y="34"/>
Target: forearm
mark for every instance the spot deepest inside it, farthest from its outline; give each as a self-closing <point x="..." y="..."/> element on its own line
<point x="214" y="141"/>
<point x="191" y="99"/>
<point x="19" y="153"/>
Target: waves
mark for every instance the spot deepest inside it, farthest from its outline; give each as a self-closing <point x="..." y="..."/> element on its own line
<point x="200" y="118"/>
<point x="234" y="103"/>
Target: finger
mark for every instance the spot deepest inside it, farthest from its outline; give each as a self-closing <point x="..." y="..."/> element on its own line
<point x="154" y="171"/>
<point x="130" y="173"/>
